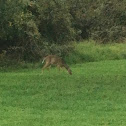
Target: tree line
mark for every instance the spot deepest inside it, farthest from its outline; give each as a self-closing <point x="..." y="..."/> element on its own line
<point x="30" y="29"/>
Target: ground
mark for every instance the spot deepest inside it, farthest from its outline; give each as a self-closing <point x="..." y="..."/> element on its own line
<point x="95" y="95"/>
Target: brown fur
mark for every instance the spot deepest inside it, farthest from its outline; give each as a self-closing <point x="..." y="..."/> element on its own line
<point x="55" y="60"/>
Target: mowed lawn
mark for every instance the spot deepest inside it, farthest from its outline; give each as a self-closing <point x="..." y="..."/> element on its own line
<point x="95" y="95"/>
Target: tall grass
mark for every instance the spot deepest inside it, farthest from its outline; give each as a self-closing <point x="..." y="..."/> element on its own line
<point x="87" y="51"/>
<point x="90" y="51"/>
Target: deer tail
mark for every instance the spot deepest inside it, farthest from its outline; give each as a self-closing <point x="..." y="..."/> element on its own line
<point x="43" y="60"/>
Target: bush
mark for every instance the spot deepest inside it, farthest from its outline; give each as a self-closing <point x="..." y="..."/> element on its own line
<point x="32" y="29"/>
<point x="109" y="22"/>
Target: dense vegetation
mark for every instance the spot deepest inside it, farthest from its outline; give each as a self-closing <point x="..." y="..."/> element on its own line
<point x="31" y="29"/>
<point x="82" y="52"/>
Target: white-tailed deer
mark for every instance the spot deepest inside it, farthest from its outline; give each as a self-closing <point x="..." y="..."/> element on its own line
<point x="55" y="60"/>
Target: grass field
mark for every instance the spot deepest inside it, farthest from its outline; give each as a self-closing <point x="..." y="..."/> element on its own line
<point x="95" y="95"/>
<point x="91" y="51"/>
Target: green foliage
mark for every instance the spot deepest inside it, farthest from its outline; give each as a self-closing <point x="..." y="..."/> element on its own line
<point x="29" y="27"/>
<point x="55" y="22"/>
<point x="109" y="21"/>
<point x="77" y="53"/>
<point x="19" y="32"/>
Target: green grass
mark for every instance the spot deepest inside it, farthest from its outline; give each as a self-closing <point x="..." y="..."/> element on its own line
<point x="95" y="95"/>
<point x="90" y="51"/>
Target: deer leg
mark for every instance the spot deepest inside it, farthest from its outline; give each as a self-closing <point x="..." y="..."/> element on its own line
<point x="68" y="69"/>
<point x="48" y="67"/>
<point x="58" y="66"/>
<point x="45" y="66"/>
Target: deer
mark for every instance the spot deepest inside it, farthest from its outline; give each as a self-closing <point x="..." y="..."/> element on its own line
<point x="57" y="61"/>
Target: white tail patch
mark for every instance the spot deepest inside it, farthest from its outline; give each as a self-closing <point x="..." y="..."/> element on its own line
<point x="43" y="61"/>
